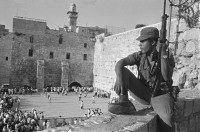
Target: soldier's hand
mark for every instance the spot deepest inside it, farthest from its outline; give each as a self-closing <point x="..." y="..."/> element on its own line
<point x="161" y="46"/>
<point x="119" y="86"/>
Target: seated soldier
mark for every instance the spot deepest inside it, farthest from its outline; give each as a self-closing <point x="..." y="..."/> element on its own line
<point x="141" y="88"/>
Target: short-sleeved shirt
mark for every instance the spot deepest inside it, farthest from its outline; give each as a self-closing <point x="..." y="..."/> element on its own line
<point x="146" y="70"/>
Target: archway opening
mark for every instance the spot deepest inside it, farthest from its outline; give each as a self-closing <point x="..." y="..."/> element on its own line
<point x="74" y="85"/>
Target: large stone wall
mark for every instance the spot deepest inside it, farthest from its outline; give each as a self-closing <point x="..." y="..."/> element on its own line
<point x="108" y="50"/>
<point x="80" y="70"/>
<point x="5" y="58"/>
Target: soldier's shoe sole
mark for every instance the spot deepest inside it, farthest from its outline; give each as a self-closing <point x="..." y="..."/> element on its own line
<point x="122" y="108"/>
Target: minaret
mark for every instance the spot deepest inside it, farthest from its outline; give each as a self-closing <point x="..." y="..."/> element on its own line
<point x="72" y="18"/>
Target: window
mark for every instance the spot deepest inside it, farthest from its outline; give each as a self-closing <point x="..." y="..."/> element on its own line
<point x="30" y="52"/>
<point x="60" y="39"/>
<point x="84" y="56"/>
<point x="31" y="39"/>
<point x="6" y="58"/>
<point x="85" y="45"/>
<point x="68" y="56"/>
<point x="51" y="55"/>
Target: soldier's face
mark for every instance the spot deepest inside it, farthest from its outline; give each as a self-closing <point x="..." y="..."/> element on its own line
<point x="145" y="46"/>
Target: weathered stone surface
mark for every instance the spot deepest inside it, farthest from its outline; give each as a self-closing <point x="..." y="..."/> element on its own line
<point x="196" y="107"/>
<point x="193" y="124"/>
<point x="184" y="126"/>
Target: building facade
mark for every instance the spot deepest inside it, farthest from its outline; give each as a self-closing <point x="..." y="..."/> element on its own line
<point x="40" y="56"/>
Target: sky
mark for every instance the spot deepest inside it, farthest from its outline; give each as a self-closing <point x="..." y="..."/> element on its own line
<point x="123" y="14"/>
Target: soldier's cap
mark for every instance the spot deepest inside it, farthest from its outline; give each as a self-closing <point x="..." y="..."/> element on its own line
<point x="147" y="33"/>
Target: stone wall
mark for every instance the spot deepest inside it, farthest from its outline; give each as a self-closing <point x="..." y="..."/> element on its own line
<point x="3" y="31"/>
<point x="108" y="50"/>
<point x="5" y="58"/>
<point x="187" y="111"/>
<point x="42" y="46"/>
<point x="29" y="25"/>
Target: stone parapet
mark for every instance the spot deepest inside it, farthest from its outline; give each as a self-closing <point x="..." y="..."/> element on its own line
<point x="187" y="111"/>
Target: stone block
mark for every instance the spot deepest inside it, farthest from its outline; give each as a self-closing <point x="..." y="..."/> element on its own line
<point x="190" y="47"/>
<point x="184" y="126"/>
<point x="192" y="125"/>
<point x="179" y="108"/>
<point x="188" y="108"/>
<point x="198" y="122"/>
<point x="196" y="107"/>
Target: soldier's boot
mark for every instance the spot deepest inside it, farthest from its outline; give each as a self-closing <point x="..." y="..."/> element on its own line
<point x="122" y="107"/>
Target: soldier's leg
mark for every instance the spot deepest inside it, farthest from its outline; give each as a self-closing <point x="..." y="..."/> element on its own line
<point x="138" y="91"/>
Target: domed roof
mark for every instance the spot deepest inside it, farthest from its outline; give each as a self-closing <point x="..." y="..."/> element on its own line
<point x="72" y="7"/>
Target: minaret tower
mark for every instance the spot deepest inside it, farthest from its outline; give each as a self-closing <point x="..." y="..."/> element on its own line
<point x="72" y="18"/>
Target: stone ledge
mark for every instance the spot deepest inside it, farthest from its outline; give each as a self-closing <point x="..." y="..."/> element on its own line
<point x="143" y="121"/>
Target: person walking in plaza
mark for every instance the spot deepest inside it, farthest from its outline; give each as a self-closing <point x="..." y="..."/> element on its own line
<point x="141" y="88"/>
<point x="48" y="124"/>
<point x="81" y="105"/>
<point x="49" y="98"/>
<point x="93" y="99"/>
<point x="85" y="93"/>
<point x="18" y="102"/>
<point x="79" y="97"/>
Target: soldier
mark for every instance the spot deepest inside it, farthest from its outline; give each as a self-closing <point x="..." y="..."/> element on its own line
<point x="141" y="88"/>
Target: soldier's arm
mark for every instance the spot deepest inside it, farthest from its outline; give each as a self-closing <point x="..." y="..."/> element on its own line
<point x="167" y="65"/>
<point x="119" y="84"/>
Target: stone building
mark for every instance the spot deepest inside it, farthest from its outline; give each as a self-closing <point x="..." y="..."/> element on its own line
<point x="39" y="56"/>
<point x="3" y="31"/>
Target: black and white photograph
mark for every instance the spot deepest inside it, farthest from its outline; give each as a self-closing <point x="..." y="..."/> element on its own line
<point x="99" y="65"/>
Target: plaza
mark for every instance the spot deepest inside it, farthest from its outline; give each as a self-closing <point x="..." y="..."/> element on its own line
<point x="61" y="105"/>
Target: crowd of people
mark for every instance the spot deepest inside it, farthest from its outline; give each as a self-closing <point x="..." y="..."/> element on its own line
<point x="22" y="90"/>
<point x="14" y="120"/>
<point x="101" y="93"/>
<point x="93" y="112"/>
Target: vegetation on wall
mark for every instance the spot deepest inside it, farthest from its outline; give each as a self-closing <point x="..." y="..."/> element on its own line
<point x="188" y="12"/>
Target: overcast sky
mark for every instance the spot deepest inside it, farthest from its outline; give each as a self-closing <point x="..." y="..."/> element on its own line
<point x="117" y="13"/>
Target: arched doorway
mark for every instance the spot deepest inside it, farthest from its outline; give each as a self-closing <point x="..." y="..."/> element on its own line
<point x="74" y="84"/>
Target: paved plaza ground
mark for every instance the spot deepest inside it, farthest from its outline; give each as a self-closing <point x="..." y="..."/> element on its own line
<point x="64" y="105"/>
